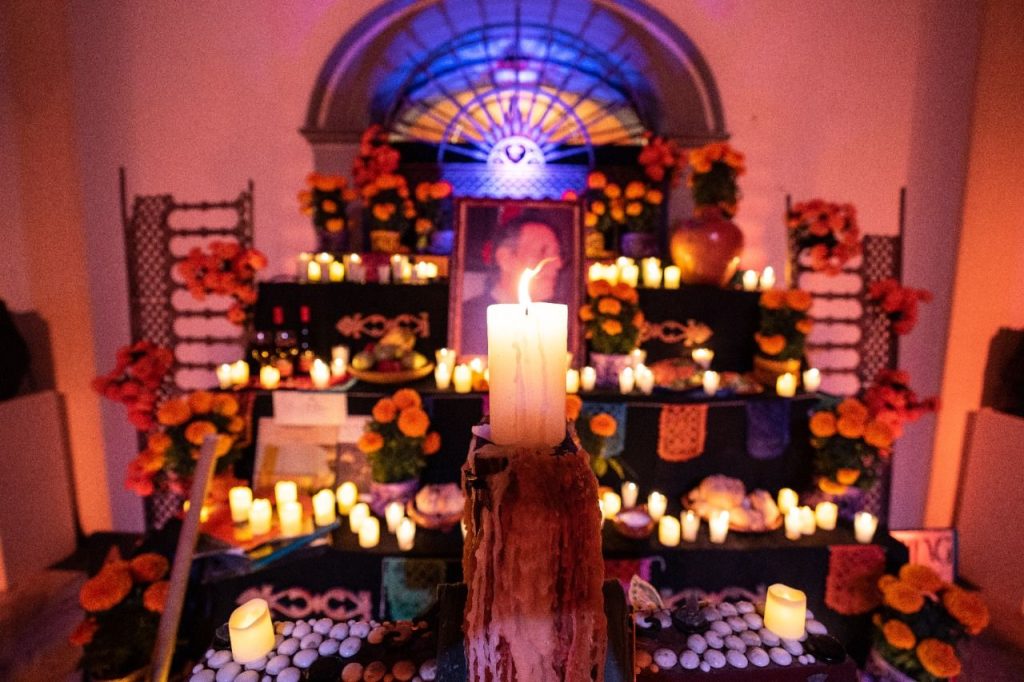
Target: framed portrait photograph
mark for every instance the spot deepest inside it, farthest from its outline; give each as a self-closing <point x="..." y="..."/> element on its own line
<point x="495" y="241"/>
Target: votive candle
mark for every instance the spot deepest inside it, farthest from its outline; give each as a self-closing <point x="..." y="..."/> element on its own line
<point x="406" y="534"/>
<point x="314" y="273"/>
<point x="336" y="271"/>
<point x="260" y="516"/>
<point x="656" y="505"/>
<point x="672" y="277"/>
<point x="250" y="631"/>
<point x="864" y="526"/>
<point x="324" y="510"/>
<point x="785" y="385"/>
<point x="285" y="491"/>
<point x="651" y="273"/>
<point x="290" y="517"/>
<point x="320" y="374"/>
<point x="629" y="274"/>
<point x="348" y="495"/>
<point x="787" y="499"/>
<point x="462" y="377"/>
<point x="240" y="373"/>
<point x="826" y="514"/>
<point x="785" y="611"/>
<point x="445" y="356"/>
<point x="369" y="532"/>
<point x="443" y="376"/>
<point x="572" y="380"/>
<point x="644" y="379"/>
<point x="691" y="525"/>
<point x="710" y="381"/>
<point x="718" y="526"/>
<point x="357" y="516"/>
<point x="588" y="378"/>
<point x="812" y="380"/>
<point x="224" y="376"/>
<point x="703" y="357"/>
<point x="768" y="278"/>
<point x="794" y="523"/>
<point x="808" y="524"/>
<point x="611" y="503"/>
<point x="240" y="501"/>
<point x="669" y="531"/>
<point x="270" y="377"/>
<point x="627" y="381"/>
<point x="393" y="515"/>
<point x="630" y="492"/>
<point x="750" y="280"/>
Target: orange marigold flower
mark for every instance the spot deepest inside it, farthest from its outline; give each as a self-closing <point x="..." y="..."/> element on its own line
<point x="798" y="299"/>
<point x="771" y="345"/>
<point x="432" y="443"/>
<point x="105" y="590"/>
<point x="823" y="424"/>
<point x="224" y="445"/>
<point x="149" y="567"/>
<point x="369" y="442"/>
<point x="853" y="408"/>
<point x="921" y="577"/>
<point x="830" y="487"/>
<point x="887" y="580"/>
<point x="938" y="658"/>
<point x="236" y="425"/>
<point x="413" y="422"/>
<point x="773" y="299"/>
<point x="385" y="411"/>
<point x="625" y="292"/>
<point x="878" y="434"/>
<point x="596" y="180"/>
<point x="635" y="190"/>
<point x="224" y="404"/>
<point x="903" y="597"/>
<point x="155" y="596"/>
<point x="83" y="632"/>
<point x="609" y="306"/>
<point x="611" y="327"/>
<point x="847" y="476"/>
<point x="200" y="402"/>
<point x="968" y="608"/>
<point x="804" y="326"/>
<point x="159" y="442"/>
<point x="573" y="404"/>
<point x="612" y="191"/>
<point x="598" y="288"/>
<point x="173" y="412"/>
<point x="406" y="397"/>
<point x="848" y="427"/>
<point x="638" y="319"/>
<point x="655" y="197"/>
<point x="197" y="431"/>
<point x="634" y="208"/>
<point x="440" y="190"/>
<point x="899" y="635"/>
<point x="586" y="313"/>
<point x="603" y="425"/>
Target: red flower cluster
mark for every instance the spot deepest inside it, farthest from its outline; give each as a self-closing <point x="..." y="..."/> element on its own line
<point x="891" y="400"/>
<point x="227" y="269"/>
<point x="898" y="303"/>
<point x="134" y="381"/>
<point x="827" y="232"/>
<point x="376" y="157"/>
<point x="662" y="159"/>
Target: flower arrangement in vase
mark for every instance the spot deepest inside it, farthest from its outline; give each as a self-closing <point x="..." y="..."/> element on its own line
<point x="134" y="381"/>
<point x="921" y="621"/>
<point x="226" y="269"/>
<point x="783" y="333"/>
<point x="613" y="322"/>
<point x="603" y="214"/>
<point x="642" y="205"/>
<point x="432" y="203"/>
<point x="122" y="604"/>
<point x="707" y="247"/>
<point x="594" y="432"/>
<point x="824" y="233"/>
<point x="897" y="303"/>
<point x="850" y="444"/>
<point x="325" y="200"/>
<point x="397" y="441"/>
<point x="389" y="211"/>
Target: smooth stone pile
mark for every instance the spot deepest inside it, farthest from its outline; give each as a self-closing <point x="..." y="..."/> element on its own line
<point x="735" y="637"/>
<point x="300" y="644"/>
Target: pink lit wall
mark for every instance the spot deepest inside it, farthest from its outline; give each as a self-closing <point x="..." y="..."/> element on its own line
<point x="844" y="100"/>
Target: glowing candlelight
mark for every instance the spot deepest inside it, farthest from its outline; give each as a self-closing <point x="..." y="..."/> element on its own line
<point x="240" y="373"/>
<point x="443" y="376"/>
<point x="669" y="531"/>
<point x="240" y="501"/>
<point x="314" y="273"/>
<point x="348" y="495"/>
<point x="289" y="515"/>
<point x="393" y="515"/>
<point x="270" y="377"/>
<point x="808" y="524"/>
<point x="320" y="374"/>
<point x="794" y="523"/>
<point x="767" y="278"/>
<point x="718" y="526"/>
<point x="785" y="385"/>
<point x="224" y="376"/>
<point x="406" y="534"/>
<point x="812" y="380"/>
<point x="463" y="379"/>
<point x="785" y="611"/>
<point x="627" y="380"/>
<point x="691" y="525"/>
<point x="672" y="276"/>
<point x="750" y="280"/>
<point x="572" y="380"/>
<point x="651" y="273"/>
<point x="588" y="378"/>
<point x="656" y="505"/>
<point x="629" y="274"/>
<point x="285" y="491"/>
<point x="826" y="514"/>
<point x="260" y="516"/>
<point x="787" y="499"/>
<point x="251" y="631"/>
<point x="336" y="271"/>
<point x="611" y="503"/>
<point x="324" y="513"/>
<point x="357" y="516"/>
<point x="710" y="381"/>
<point x="644" y="379"/>
<point x="703" y="357"/>
<point x="864" y="526"/>
<point x="630" y="492"/>
<point x="369" y="533"/>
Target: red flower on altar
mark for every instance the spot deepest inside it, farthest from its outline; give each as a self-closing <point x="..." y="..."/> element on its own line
<point x="898" y="303"/>
<point x="226" y="268"/>
<point x="139" y="371"/>
<point x="891" y="400"/>
<point x="661" y="159"/>
<point x="825" y="233"/>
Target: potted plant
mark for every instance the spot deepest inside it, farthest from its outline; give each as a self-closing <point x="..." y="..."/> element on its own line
<point x="919" y="624"/>
<point x="850" y="444"/>
<point x="707" y="247"/>
<point x="431" y="227"/>
<point x="397" y="441"/>
<point x="613" y="321"/>
<point x="389" y="212"/>
<point x="782" y="334"/>
<point x="642" y="205"/>
<point x="825" y="235"/>
<point x="325" y="200"/>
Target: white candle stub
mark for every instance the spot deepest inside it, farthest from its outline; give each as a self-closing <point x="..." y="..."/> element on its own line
<point x="794" y="523"/>
<point x="324" y="510"/>
<point x="260" y="516"/>
<point x="864" y="526"/>
<point x="251" y="631"/>
<point x="718" y="526"/>
<point x="406" y="534"/>
<point x="812" y="380"/>
<point x="691" y="525"/>
<point x="369" y="533"/>
<point x="240" y="501"/>
<point x="348" y="495"/>
<point x="630" y="491"/>
<point x="656" y="505"/>
<point x="611" y="504"/>
<point x="669" y="531"/>
<point x="826" y="514"/>
<point x="787" y="499"/>
<point x="785" y="611"/>
<point x="358" y="514"/>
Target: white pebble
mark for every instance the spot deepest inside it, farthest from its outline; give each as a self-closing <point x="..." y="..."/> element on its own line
<point x="802" y="660"/>
<point x="428" y="671"/>
<point x="323" y="626"/>
<point x="750" y="638"/>
<point x="288" y="646"/>
<point x="810" y="615"/>
<point x="780" y="656"/>
<point x="349" y="647"/>
<point x="339" y="631"/>
<point x="758" y="657"/>
<point x="277" y="664"/>
<point x="305" y="658"/>
<point x="289" y="675"/>
<point x="219" y="660"/>
<point x="665" y="658"/>
<point x="248" y="676"/>
<point x="714" y="639"/>
<point x="710" y="613"/>
<point x="287" y="629"/>
<point x="266" y="678"/>
<point x="705" y="666"/>
<point x="689" y="660"/>
<point x="811" y="658"/>
<point x="769" y="637"/>
<point x="229" y="672"/>
<point x="302" y="629"/>
<point x="736" y="623"/>
<point x="197" y="667"/>
<point x="753" y="621"/>
<point x="721" y="627"/>
<point x="727" y="609"/>
<point x="744" y="607"/>
<point x="360" y="629"/>
<point x="734" y="643"/>
<point x="209" y="652"/>
<point x="794" y="647"/>
<point x="697" y="644"/>
<point x="329" y="647"/>
<point x="203" y="676"/>
<point x="816" y="628"/>
<point x="736" y="659"/>
<point x="258" y="664"/>
<point x="714" y="658"/>
<point x="311" y="641"/>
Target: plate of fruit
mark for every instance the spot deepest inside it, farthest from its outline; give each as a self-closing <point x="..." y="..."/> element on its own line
<point x="392" y="360"/>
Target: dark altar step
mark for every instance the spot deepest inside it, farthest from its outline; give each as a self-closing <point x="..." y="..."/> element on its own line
<point x="451" y="651"/>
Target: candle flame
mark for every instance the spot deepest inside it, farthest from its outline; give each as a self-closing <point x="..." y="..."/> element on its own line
<point x="524" y="281"/>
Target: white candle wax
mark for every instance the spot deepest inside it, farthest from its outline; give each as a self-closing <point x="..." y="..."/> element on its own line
<point x="630" y="275"/>
<point x="656" y="505"/>
<point x="462" y="377"/>
<point x="572" y="381"/>
<point x="785" y="385"/>
<point x="443" y="376"/>
<point x="224" y="376"/>
<point x="768" y="278"/>
<point x="324" y="508"/>
<point x="260" y="516"/>
<point x="630" y="492"/>
<point x="669" y="531"/>
<point x="406" y="534"/>
<point x="785" y="611"/>
<point x="285" y="491"/>
<point x="369" y="533"/>
<point x="393" y="515"/>
<point x="270" y="377"/>
<point x="526" y="344"/>
<point x="718" y="526"/>
<point x="691" y="525"/>
<point x="320" y="373"/>
<point x="611" y="504"/>
<point x="703" y="357"/>
<point x="864" y="526"/>
<point x="826" y="514"/>
<point x="808" y="524"/>
<point x="623" y="261"/>
<point x="240" y="501"/>
<point x="794" y="523"/>
<point x="336" y="271"/>
<point x="644" y="379"/>
<point x="251" y="631"/>
<point x="595" y="272"/>
<point x="445" y="356"/>
<point x="314" y="273"/>
<point x="651" y="273"/>
<point x="359" y="513"/>
<point x="787" y="499"/>
<point x="812" y="380"/>
<point x="383" y="274"/>
<point x="672" y="277"/>
<point x="710" y="382"/>
<point x="588" y="378"/>
<point x="750" y="280"/>
<point x="339" y="352"/>
<point x="348" y="495"/>
<point x="289" y="515"/>
<point x="406" y="273"/>
<point x="240" y="373"/>
<point x="627" y="380"/>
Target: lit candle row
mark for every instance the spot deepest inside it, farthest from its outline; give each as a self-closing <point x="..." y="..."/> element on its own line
<point x="752" y="281"/>
<point x="231" y="374"/>
<point x="626" y="270"/>
<point x="785" y="384"/>
<point x="672" y="531"/>
<point x="464" y="377"/>
<point x="320" y="267"/>
<point x="639" y="378"/>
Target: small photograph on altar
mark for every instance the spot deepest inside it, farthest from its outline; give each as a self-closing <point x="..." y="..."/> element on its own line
<point x="495" y="242"/>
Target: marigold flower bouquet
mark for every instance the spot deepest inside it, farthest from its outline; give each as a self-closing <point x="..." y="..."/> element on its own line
<point x="389" y="209"/>
<point x="376" y="157"/>
<point x="712" y="180"/>
<point x="783" y="333"/>
<point x="325" y="200"/>
<point x="662" y="160"/>
<point x="824" y="232"/>
<point x="122" y="604"/>
<point x="432" y="202"/>
<point x="897" y="302"/>
<point x="612" y="317"/>
<point x="921" y="621"/>
<point x="226" y="269"/>
<point x="604" y="213"/>
<point x="850" y="444"/>
<point x="135" y="380"/>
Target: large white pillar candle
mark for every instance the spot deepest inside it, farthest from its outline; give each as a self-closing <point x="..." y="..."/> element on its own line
<point x="656" y="505"/>
<point x="630" y="492"/>
<point x="812" y="380"/>
<point x="270" y="377"/>
<point x="787" y="499"/>
<point x="785" y="611"/>
<point x="260" y="516"/>
<point x="691" y="525"/>
<point x="826" y="514"/>
<point x="359" y="514"/>
<point x="285" y="491"/>
<point x="462" y="377"/>
<point x="703" y="357"/>
<point x="289" y="515"/>
<point x="669" y="531"/>
<point x="251" y="631"/>
<point x="324" y="510"/>
<point x="808" y="524"/>
<point x="672" y="277"/>
<point x="369" y="533"/>
<point x="406" y="534"/>
<point x="710" y="381"/>
<point x="224" y="376"/>
<point x="320" y="373"/>
<point x="785" y="385"/>
<point x="588" y="378"/>
<point x="240" y="501"/>
<point x="526" y="344"/>
<point x="348" y="495"/>
<point x="393" y="514"/>
<point x="864" y="526"/>
<point x="794" y="523"/>
<point x="572" y="380"/>
<point x="718" y="526"/>
<point x="611" y="504"/>
<point x="240" y="373"/>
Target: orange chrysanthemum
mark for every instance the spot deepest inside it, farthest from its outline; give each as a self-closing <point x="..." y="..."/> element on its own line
<point x="899" y="635"/>
<point x="823" y="424"/>
<point x="105" y="590"/>
<point x="197" y="431"/>
<point x="370" y="442"/>
<point x="773" y="299"/>
<point x="149" y="567"/>
<point x="854" y="409"/>
<point x="878" y="434"/>
<point x="573" y="404"/>
<point x="804" y="326"/>
<point x="84" y="632"/>
<point x="155" y="596"/>
<point x="903" y="597"/>
<point x="847" y="476"/>
<point x="586" y="313"/>
<point x="385" y="411"/>
<point x="968" y="609"/>
<point x="848" y="427"/>
<point x="938" y="658"/>
<point x="625" y="293"/>
<point x="921" y="577"/>
<point x="200" y="402"/>
<point x="159" y="442"/>
<point x="611" y="327"/>
<point x="413" y="422"/>
<point x="224" y="404"/>
<point x="432" y="443"/>
<point x="771" y="345"/>
<point x="798" y="299"/>
<point x="236" y="425"/>
<point x="609" y="306"/>
<point x="603" y="425"/>
<point x="173" y="412"/>
<point x="224" y="445"/>
<point x="596" y="180"/>
<point x="886" y="580"/>
<point x="598" y="288"/>
<point x="405" y="398"/>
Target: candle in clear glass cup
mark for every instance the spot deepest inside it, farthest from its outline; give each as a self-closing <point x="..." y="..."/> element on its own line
<point x="285" y="491"/>
<point x="630" y="493"/>
<point x="703" y="357"/>
<point x="588" y="378"/>
<point x="251" y="632"/>
<point x="406" y="534"/>
<point x="336" y="272"/>
<point x="611" y="504"/>
<point x="224" y="376"/>
<point x="572" y="381"/>
<point x="865" y="524"/>
<point x="672" y="275"/>
<point x="270" y="377"/>
<point x="260" y="516"/>
<point x="320" y="374"/>
<point x="794" y="523"/>
<point x="808" y="524"/>
<point x="690" y="523"/>
<point x="710" y="381"/>
<point x="644" y="379"/>
<point x="812" y="380"/>
<point x="826" y="514"/>
<point x="324" y="510"/>
<point x="785" y="385"/>
<point x="240" y="373"/>
<point x="369" y="533"/>
<point x="289" y="515"/>
<point x="657" y="504"/>
<point x="359" y="513"/>
<point x="443" y="376"/>
<point x="240" y="502"/>
<point x="718" y="526"/>
<point x="393" y="515"/>
<point x="787" y="499"/>
<point x="669" y="531"/>
<point x="767" y="278"/>
<point x="627" y="380"/>
<point x="750" y="280"/>
<point x="785" y="611"/>
<point x="348" y="495"/>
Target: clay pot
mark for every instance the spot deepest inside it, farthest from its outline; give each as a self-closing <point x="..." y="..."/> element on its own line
<point x="707" y="247"/>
